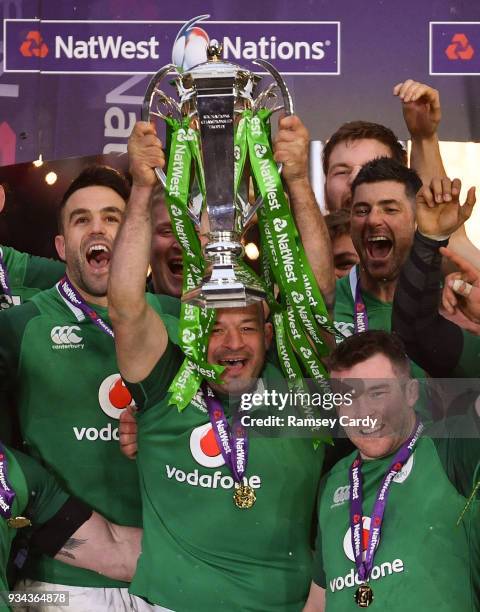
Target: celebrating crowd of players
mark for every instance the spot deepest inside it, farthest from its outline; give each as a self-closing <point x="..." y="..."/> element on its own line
<point x="394" y="520"/>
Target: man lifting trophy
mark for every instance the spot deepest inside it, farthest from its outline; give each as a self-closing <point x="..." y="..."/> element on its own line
<point x="221" y="166"/>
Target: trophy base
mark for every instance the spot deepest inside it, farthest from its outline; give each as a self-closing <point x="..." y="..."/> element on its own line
<point x="215" y="294"/>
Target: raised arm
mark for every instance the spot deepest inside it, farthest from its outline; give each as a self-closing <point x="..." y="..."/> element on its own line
<point x="140" y="335"/>
<point x="291" y="148"/>
<point x="422" y="114"/>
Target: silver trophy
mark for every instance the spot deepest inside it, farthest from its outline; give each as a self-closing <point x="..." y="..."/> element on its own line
<point x="213" y="95"/>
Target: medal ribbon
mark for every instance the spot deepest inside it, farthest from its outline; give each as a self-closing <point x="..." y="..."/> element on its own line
<point x="7" y="494"/>
<point x="6" y="293"/>
<point x="71" y="295"/>
<point x="360" y="317"/>
<point x="232" y="441"/>
<point x="364" y="567"/>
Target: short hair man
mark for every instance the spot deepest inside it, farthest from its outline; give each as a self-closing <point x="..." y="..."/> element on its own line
<point x="382" y="229"/>
<point x="180" y="462"/>
<point x="347" y="150"/>
<point x="358" y="142"/>
<point x="57" y="355"/>
<point x="394" y="528"/>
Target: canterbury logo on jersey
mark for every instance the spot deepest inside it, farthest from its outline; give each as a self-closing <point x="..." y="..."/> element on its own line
<point x="66" y="337"/>
<point x="342" y="494"/>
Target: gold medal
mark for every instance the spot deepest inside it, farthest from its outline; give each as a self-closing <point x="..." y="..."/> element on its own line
<point x="18" y="522"/>
<point x="364" y="596"/>
<point x="244" y="497"/>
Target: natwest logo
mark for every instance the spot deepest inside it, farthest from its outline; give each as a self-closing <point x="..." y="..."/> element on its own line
<point x="105" y="47"/>
<point x="459" y="48"/>
<point x="34" y="45"/>
<point x="136" y="47"/>
<point x="347" y="540"/>
<point x="66" y="337"/>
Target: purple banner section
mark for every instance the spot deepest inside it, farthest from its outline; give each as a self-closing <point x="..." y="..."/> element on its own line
<point x="141" y="47"/>
<point x="382" y="43"/>
<point x="455" y="48"/>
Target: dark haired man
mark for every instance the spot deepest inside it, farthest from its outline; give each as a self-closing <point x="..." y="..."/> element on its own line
<point x="348" y="149"/>
<point x="382" y="228"/>
<point x="57" y="353"/>
<point x="358" y="142"/>
<point x="393" y="520"/>
<point x="256" y="557"/>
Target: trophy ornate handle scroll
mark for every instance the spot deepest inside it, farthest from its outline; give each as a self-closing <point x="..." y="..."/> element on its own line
<point x="220" y="165"/>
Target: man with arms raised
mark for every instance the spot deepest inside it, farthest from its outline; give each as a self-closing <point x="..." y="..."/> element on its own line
<point x="219" y="556"/>
<point x="393" y="519"/>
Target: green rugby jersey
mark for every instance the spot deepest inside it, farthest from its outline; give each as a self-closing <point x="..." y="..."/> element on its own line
<point x="37" y="495"/>
<point x="27" y="275"/>
<point x="69" y="397"/>
<point x="199" y="551"/>
<point x="379" y="317"/>
<point x="424" y="561"/>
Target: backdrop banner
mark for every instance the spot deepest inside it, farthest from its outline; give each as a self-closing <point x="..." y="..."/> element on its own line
<point x="73" y="74"/>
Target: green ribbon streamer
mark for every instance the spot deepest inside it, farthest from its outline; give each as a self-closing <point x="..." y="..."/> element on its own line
<point x="281" y="241"/>
<point x="284" y="261"/>
<point x="195" y="322"/>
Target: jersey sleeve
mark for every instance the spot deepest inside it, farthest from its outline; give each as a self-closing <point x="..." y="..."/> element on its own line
<point x="45" y="497"/>
<point x="458" y="447"/>
<point x="12" y="325"/>
<point x="30" y="271"/>
<point x="165" y="304"/>
<point x="154" y="387"/>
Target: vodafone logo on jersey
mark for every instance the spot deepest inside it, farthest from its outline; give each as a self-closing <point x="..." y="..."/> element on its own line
<point x="204" y="447"/>
<point x="113" y="396"/>
<point x="206" y="452"/>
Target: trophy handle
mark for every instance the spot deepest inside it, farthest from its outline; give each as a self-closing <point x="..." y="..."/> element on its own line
<point x="287" y="98"/>
<point x="147" y="102"/>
